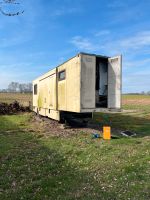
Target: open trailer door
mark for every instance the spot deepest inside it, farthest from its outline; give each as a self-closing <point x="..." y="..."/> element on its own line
<point x="114" y="82"/>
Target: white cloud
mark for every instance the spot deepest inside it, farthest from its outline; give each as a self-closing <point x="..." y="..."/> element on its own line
<point x="136" y="68"/>
<point x="113" y="45"/>
<point x="137" y="63"/>
<point x="83" y="43"/>
<point x="102" y="33"/>
<point x="139" y="40"/>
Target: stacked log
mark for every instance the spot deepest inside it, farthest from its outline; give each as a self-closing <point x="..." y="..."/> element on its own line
<point x="12" y="108"/>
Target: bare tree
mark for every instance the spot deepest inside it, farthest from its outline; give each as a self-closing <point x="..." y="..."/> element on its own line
<point x="20" y="87"/>
<point x="10" y="2"/>
<point x="13" y="86"/>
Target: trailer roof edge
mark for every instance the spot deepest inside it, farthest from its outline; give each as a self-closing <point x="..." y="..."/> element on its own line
<point x="91" y="54"/>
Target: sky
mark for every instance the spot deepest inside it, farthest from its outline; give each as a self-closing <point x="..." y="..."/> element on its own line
<point x="51" y="31"/>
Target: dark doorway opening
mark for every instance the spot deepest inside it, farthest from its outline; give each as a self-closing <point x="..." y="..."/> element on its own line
<point x="101" y="85"/>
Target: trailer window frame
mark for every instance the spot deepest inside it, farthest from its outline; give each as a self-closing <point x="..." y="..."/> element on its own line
<point x="35" y="89"/>
<point x="62" y="75"/>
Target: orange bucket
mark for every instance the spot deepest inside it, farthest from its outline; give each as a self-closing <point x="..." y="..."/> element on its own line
<point x="106" y="132"/>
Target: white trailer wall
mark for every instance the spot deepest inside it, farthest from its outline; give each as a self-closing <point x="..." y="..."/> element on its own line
<point x="88" y="63"/>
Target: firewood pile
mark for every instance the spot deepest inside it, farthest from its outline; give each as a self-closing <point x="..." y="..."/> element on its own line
<point x="11" y="108"/>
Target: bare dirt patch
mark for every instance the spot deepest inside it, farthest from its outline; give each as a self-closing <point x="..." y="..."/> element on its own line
<point x="48" y="127"/>
<point x="137" y="101"/>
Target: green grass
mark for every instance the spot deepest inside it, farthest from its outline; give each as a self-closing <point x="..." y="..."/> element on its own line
<point x="135" y="116"/>
<point x="136" y="122"/>
<point x="76" y="167"/>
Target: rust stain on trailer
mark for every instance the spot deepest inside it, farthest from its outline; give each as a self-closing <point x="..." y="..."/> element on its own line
<point x="39" y="101"/>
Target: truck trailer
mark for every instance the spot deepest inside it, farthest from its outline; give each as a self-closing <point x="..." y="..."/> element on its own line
<point x="84" y="84"/>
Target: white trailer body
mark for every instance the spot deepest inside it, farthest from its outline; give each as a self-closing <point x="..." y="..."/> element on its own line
<point x="86" y="83"/>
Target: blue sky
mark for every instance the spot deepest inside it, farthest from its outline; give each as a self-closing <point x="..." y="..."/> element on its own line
<point x="51" y="31"/>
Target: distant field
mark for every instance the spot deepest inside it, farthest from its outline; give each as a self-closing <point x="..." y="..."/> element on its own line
<point x="128" y="101"/>
<point x="136" y="102"/>
<point x="21" y="98"/>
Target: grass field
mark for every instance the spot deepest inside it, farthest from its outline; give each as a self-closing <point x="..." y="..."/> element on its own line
<point x="77" y="167"/>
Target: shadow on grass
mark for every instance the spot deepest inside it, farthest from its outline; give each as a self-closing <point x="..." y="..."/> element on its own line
<point x="121" y="122"/>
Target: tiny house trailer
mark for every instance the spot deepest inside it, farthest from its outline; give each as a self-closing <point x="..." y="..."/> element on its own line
<point x="82" y="85"/>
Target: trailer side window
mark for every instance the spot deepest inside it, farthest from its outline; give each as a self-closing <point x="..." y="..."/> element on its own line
<point x="62" y="75"/>
<point x="35" y="89"/>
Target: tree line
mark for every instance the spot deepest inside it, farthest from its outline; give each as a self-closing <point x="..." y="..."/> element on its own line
<point x="18" y="87"/>
<point x="138" y="93"/>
